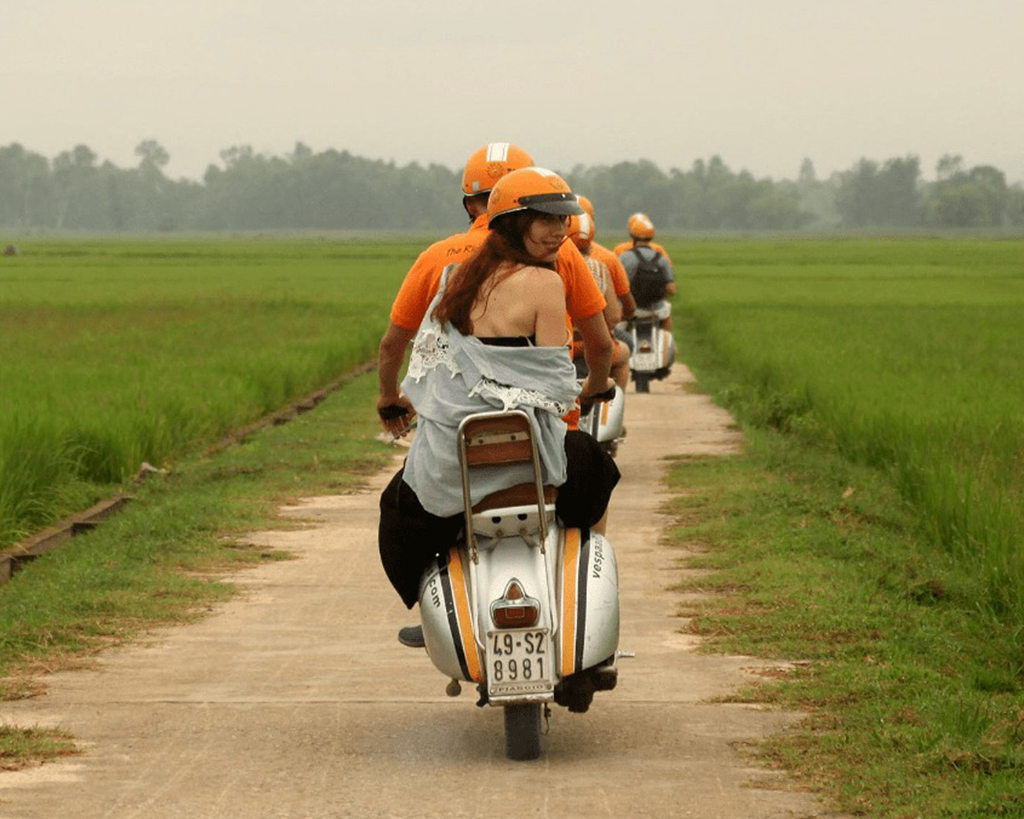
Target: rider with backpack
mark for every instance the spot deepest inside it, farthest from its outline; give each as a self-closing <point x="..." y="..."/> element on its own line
<point x="651" y="278"/>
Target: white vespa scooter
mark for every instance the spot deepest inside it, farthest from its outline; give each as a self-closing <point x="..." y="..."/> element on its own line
<point x="654" y="349"/>
<point x="522" y="607"/>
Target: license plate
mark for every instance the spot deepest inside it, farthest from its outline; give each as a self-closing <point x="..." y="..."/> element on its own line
<point x="644" y="361"/>
<point x="519" y="662"/>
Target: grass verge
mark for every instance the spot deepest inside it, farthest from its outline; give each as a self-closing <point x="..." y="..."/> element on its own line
<point x="914" y="698"/>
<point x="163" y="559"/>
<point x="22" y="747"/>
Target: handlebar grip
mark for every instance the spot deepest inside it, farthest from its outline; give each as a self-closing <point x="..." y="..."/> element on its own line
<point x="607" y="395"/>
<point x="392" y="411"/>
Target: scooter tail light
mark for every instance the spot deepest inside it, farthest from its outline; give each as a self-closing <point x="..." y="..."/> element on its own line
<point x="514" y="609"/>
<point x="516" y="616"/>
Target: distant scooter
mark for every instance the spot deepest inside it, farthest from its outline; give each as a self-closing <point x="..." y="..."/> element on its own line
<point x="522" y="607"/>
<point x="654" y="349"/>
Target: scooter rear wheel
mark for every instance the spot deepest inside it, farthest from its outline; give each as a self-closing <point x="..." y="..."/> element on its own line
<point x="643" y="383"/>
<point x="522" y="731"/>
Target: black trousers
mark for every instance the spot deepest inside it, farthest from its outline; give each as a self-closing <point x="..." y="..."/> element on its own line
<point x="410" y="537"/>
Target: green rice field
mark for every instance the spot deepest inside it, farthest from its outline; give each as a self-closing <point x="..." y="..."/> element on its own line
<point x="116" y="352"/>
<point x="873" y="531"/>
<point x="903" y="354"/>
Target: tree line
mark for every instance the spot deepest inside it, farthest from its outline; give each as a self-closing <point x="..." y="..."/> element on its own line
<point x="337" y="190"/>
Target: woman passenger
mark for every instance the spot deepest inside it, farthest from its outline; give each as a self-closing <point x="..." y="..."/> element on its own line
<point x="494" y="338"/>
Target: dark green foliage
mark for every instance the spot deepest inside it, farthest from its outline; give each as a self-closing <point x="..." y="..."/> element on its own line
<point x="872" y="196"/>
<point x="979" y="197"/>
<point x="709" y="196"/>
<point x="336" y="190"/>
<point x="330" y="190"/>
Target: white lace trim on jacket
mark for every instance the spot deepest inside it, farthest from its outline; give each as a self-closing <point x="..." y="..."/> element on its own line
<point x="430" y="350"/>
<point x="512" y="397"/>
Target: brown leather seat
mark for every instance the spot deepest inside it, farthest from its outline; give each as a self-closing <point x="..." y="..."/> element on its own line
<point x="499" y="442"/>
<point x="522" y="494"/>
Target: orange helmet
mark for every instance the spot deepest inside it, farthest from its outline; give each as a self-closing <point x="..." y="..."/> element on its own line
<point x="531" y="189"/>
<point x="586" y="205"/>
<point x="581" y="229"/>
<point x="491" y="162"/>
<point x="640" y="226"/>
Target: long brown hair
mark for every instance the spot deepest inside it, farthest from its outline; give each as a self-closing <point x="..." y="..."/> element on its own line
<point x="504" y="246"/>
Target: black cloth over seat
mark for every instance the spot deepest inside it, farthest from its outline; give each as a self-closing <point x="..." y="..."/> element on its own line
<point x="410" y="537"/>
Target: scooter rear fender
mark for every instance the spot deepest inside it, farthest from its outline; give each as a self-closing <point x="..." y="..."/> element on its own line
<point x="604" y="421"/>
<point x="662" y="344"/>
<point x="448" y="621"/>
<point x="588" y="601"/>
<point x="581" y="612"/>
<point x="666" y="352"/>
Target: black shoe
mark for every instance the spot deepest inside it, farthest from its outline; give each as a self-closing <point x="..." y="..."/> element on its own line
<point x="411" y="636"/>
<point x="576" y="692"/>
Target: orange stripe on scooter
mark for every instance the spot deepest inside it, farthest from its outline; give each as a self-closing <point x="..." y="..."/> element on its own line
<point x="569" y="575"/>
<point x="465" y="620"/>
<point x="604" y="411"/>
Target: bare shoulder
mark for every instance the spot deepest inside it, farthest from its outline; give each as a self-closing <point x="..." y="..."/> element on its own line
<point x="541" y="278"/>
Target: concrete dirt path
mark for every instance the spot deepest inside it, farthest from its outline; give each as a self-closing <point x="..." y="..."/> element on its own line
<point x="295" y="699"/>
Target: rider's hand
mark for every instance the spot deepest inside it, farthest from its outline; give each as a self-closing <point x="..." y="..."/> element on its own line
<point x="590" y="389"/>
<point x="396" y="426"/>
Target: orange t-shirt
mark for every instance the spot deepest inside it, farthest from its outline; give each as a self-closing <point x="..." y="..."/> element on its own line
<point x="620" y="281"/>
<point x="624" y="246"/>
<point x="424" y="277"/>
<point x="582" y="297"/>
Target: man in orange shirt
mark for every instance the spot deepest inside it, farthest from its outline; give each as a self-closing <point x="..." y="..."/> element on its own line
<point x="584" y="302"/>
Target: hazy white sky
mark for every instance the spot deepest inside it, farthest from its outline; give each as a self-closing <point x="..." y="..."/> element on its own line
<point x="763" y="83"/>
